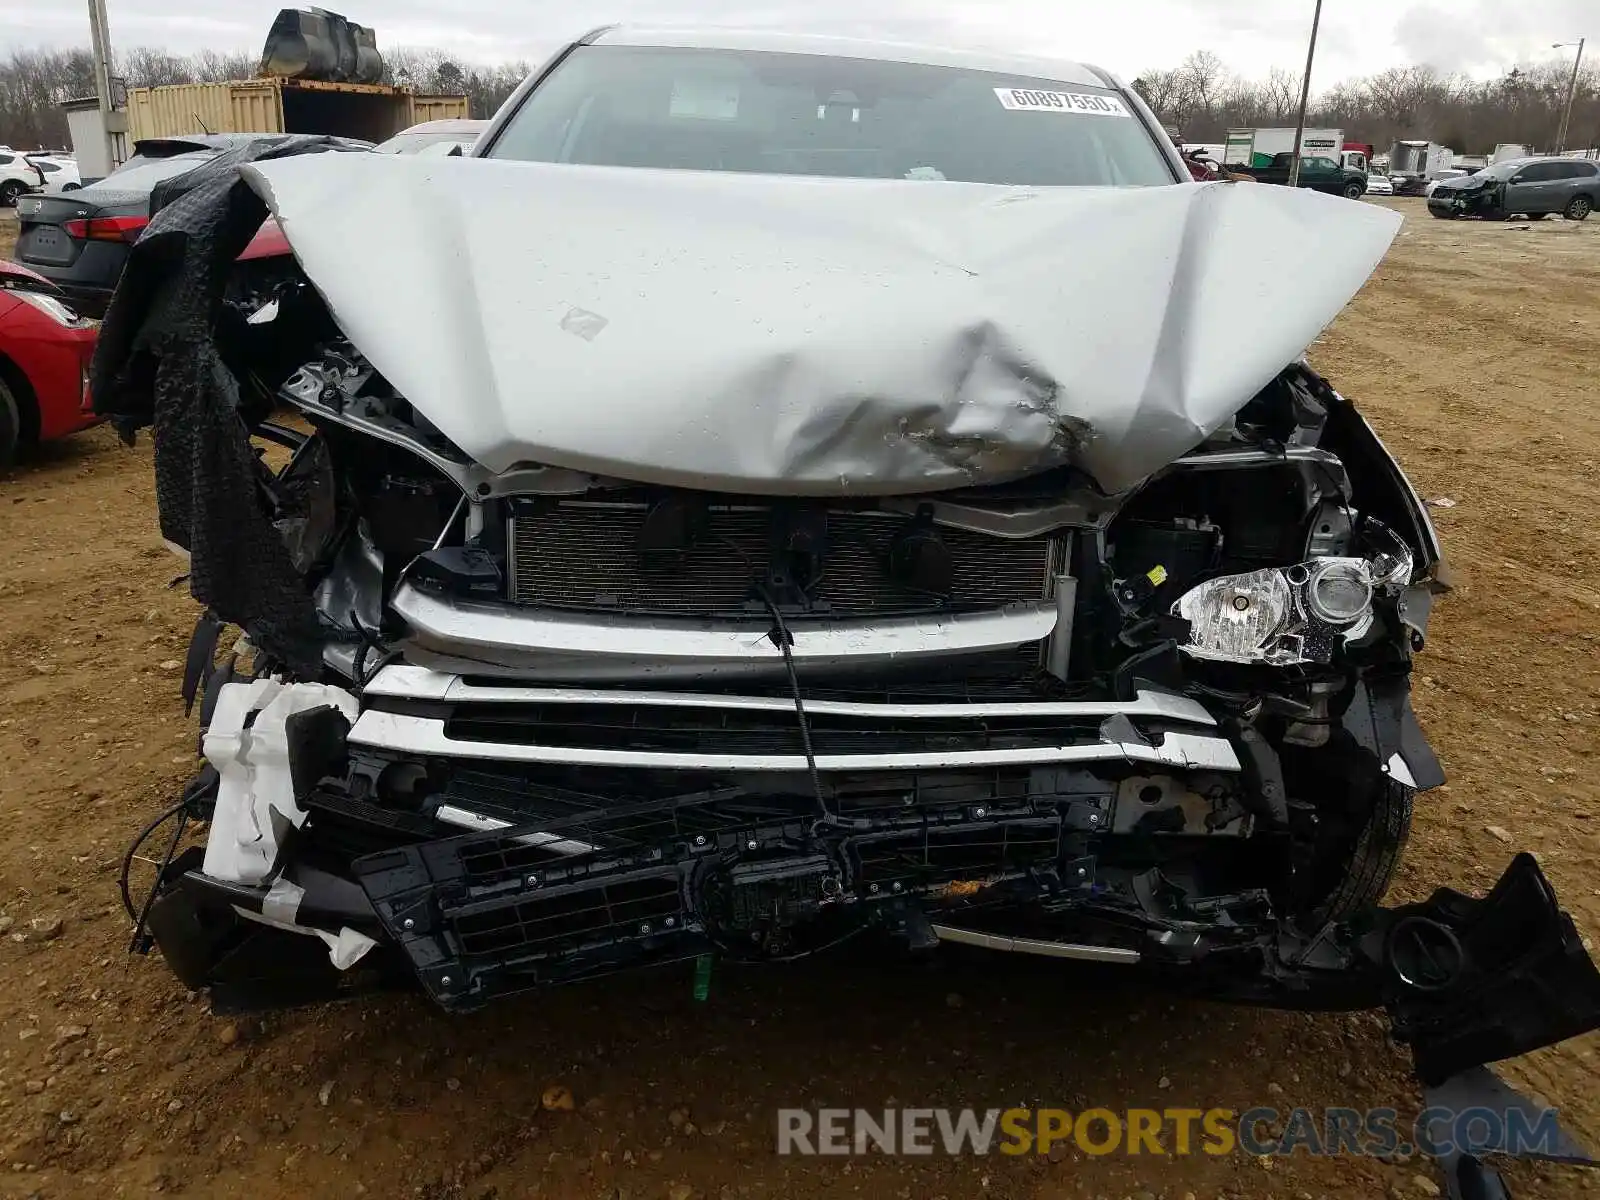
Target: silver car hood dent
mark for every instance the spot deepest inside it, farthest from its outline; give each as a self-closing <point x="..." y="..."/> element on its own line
<point x="809" y="336"/>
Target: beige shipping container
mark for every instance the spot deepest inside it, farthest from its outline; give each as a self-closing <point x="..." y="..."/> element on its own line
<point x="373" y="112"/>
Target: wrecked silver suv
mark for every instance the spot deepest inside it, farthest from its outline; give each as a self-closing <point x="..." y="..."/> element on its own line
<point x="776" y="492"/>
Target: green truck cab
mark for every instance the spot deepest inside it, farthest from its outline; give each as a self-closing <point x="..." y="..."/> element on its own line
<point x="1316" y="171"/>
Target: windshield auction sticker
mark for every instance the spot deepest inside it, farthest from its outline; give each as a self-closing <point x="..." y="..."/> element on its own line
<point x="1084" y="103"/>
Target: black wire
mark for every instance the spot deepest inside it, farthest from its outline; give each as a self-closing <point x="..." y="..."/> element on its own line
<point x="179" y="810"/>
<point x="369" y="641"/>
<point x="780" y="634"/>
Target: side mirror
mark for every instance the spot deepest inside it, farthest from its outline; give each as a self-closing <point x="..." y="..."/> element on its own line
<point x="1517" y="179"/>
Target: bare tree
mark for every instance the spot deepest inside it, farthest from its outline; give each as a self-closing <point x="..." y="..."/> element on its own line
<point x="1279" y="94"/>
<point x="1203" y="75"/>
<point x="1162" y="90"/>
<point x="144" y="66"/>
<point x="213" y="66"/>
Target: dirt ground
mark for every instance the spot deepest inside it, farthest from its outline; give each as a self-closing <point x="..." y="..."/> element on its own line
<point x="1474" y="352"/>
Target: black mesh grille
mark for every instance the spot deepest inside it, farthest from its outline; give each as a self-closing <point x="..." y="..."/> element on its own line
<point x="643" y="728"/>
<point x="586" y="555"/>
<point x="589" y="915"/>
<point x="968" y="850"/>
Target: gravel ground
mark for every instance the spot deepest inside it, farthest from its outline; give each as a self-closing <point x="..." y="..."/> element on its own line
<point x="1472" y="350"/>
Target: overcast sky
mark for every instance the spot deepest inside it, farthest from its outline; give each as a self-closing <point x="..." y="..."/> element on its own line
<point x="1484" y="37"/>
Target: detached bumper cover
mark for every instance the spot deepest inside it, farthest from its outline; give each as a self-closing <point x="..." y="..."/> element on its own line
<point x="1476" y="981"/>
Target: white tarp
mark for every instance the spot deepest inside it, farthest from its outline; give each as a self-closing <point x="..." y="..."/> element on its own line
<point x="797" y="335"/>
<point x="256" y="807"/>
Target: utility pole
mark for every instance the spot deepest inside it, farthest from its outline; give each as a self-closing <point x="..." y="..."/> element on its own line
<point x="100" y="46"/>
<point x="1305" y="99"/>
<point x="1572" y="91"/>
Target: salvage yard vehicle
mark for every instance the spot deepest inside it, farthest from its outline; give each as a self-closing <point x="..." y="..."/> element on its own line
<point x="80" y="239"/>
<point x="45" y="349"/>
<point x="1415" y="164"/>
<point x="56" y="174"/>
<point x="447" y="137"/>
<point x="808" y="507"/>
<point x="18" y="176"/>
<point x="1319" y="173"/>
<point x="1259" y="147"/>
<point x="1534" y="187"/>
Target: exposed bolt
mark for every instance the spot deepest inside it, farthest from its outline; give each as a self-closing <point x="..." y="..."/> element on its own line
<point x="1082" y="873"/>
<point x="1094" y="818"/>
<point x="980" y="812"/>
<point x="873" y="888"/>
<point x="533" y="881"/>
<point x="750" y="845"/>
<point x="444" y="981"/>
<point x="408" y="923"/>
<point x="671" y="921"/>
<point x="897" y="887"/>
<point x="644" y="926"/>
<point x="699" y="839"/>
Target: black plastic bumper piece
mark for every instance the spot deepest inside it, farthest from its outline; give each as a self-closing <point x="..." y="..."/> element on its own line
<point x="247" y="966"/>
<point x="1476" y="981"/>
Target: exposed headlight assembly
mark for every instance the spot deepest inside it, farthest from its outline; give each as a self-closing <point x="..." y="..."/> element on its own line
<point x="1298" y="614"/>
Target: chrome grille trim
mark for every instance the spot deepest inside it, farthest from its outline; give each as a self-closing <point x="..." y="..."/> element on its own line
<point x="547" y="645"/>
<point x="400" y="733"/>
<point x="1016" y="945"/>
<point x="404" y="682"/>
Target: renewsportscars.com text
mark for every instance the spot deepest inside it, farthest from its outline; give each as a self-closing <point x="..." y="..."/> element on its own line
<point x="1160" y="1131"/>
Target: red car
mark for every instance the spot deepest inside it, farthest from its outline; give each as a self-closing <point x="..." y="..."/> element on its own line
<point x="45" y="349"/>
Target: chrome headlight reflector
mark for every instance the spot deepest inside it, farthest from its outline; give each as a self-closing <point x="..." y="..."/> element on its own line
<point x="1339" y="590"/>
<point x="1298" y="614"/>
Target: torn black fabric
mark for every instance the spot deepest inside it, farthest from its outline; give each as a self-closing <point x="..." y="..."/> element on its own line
<point x="157" y="364"/>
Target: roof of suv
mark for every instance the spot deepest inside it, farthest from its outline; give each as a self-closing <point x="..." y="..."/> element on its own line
<point x="1034" y="66"/>
<point x="1542" y="158"/>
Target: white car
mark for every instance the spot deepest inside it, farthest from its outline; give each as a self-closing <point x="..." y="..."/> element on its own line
<point x="434" y="138"/>
<point x="17" y="175"/>
<point x="1379" y="185"/>
<point x="59" y="174"/>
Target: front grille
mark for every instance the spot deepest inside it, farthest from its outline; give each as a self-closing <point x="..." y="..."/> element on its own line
<point x="731" y="731"/>
<point x="1017" y="676"/>
<point x="578" y="916"/>
<point x="587" y="555"/>
<point x="964" y="851"/>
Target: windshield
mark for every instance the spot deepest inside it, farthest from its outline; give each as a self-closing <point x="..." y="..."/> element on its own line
<point x="804" y="114"/>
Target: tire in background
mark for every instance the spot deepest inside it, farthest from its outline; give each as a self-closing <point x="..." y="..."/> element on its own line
<point x="10" y="425"/>
<point x="1377" y="853"/>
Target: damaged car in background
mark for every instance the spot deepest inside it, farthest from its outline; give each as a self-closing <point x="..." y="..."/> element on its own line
<point x="778" y="491"/>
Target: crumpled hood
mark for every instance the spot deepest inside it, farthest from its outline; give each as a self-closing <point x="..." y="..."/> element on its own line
<point x="806" y="336"/>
